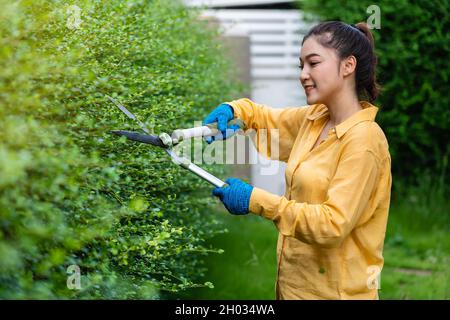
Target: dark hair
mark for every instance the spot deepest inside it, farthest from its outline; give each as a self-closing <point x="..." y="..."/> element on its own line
<point x="356" y="40"/>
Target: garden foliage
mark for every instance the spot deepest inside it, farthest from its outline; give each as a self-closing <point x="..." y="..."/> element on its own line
<point x="73" y="194"/>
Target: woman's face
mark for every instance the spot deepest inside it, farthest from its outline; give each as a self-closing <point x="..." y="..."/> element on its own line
<point x="320" y="75"/>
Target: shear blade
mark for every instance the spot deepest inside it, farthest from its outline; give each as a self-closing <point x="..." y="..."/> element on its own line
<point x="144" y="138"/>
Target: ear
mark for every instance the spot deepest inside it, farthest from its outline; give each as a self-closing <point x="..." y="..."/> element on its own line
<point x="348" y="65"/>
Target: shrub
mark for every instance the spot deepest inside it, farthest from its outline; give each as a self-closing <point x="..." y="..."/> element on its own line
<point x="72" y="194"/>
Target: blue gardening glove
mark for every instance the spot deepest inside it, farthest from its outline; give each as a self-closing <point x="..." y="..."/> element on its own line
<point x="222" y="114"/>
<point x="235" y="196"/>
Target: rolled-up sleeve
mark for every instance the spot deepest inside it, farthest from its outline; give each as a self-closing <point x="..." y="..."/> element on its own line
<point x="326" y="224"/>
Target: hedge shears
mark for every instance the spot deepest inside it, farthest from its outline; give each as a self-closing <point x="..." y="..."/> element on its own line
<point x="167" y="141"/>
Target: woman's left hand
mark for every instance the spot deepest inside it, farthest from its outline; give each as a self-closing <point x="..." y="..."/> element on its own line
<point x="235" y="196"/>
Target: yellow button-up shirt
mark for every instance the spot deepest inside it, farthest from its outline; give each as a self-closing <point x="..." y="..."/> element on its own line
<point x="332" y="218"/>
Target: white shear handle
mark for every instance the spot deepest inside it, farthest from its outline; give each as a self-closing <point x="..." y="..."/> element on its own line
<point x="187" y="164"/>
<point x="203" y="131"/>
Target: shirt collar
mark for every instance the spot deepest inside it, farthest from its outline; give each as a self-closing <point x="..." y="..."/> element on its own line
<point x="368" y="113"/>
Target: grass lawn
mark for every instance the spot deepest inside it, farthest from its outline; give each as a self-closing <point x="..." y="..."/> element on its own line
<point x="417" y="257"/>
<point x="247" y="268"/>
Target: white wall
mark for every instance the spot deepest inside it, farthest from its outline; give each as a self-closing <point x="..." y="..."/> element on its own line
<point x="228" y="3"/>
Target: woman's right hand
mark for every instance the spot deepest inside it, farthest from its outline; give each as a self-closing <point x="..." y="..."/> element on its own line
<point x="222" y="114"/>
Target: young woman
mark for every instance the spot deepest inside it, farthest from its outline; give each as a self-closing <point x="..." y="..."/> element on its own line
<point x="332" y="218"/>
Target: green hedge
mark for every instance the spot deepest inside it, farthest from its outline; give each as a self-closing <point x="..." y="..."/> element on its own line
<point x="72" y="194"/>
<point x="413" y="46"/>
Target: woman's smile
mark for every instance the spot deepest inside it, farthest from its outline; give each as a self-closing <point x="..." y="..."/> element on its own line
<point x="309" y="88"/>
